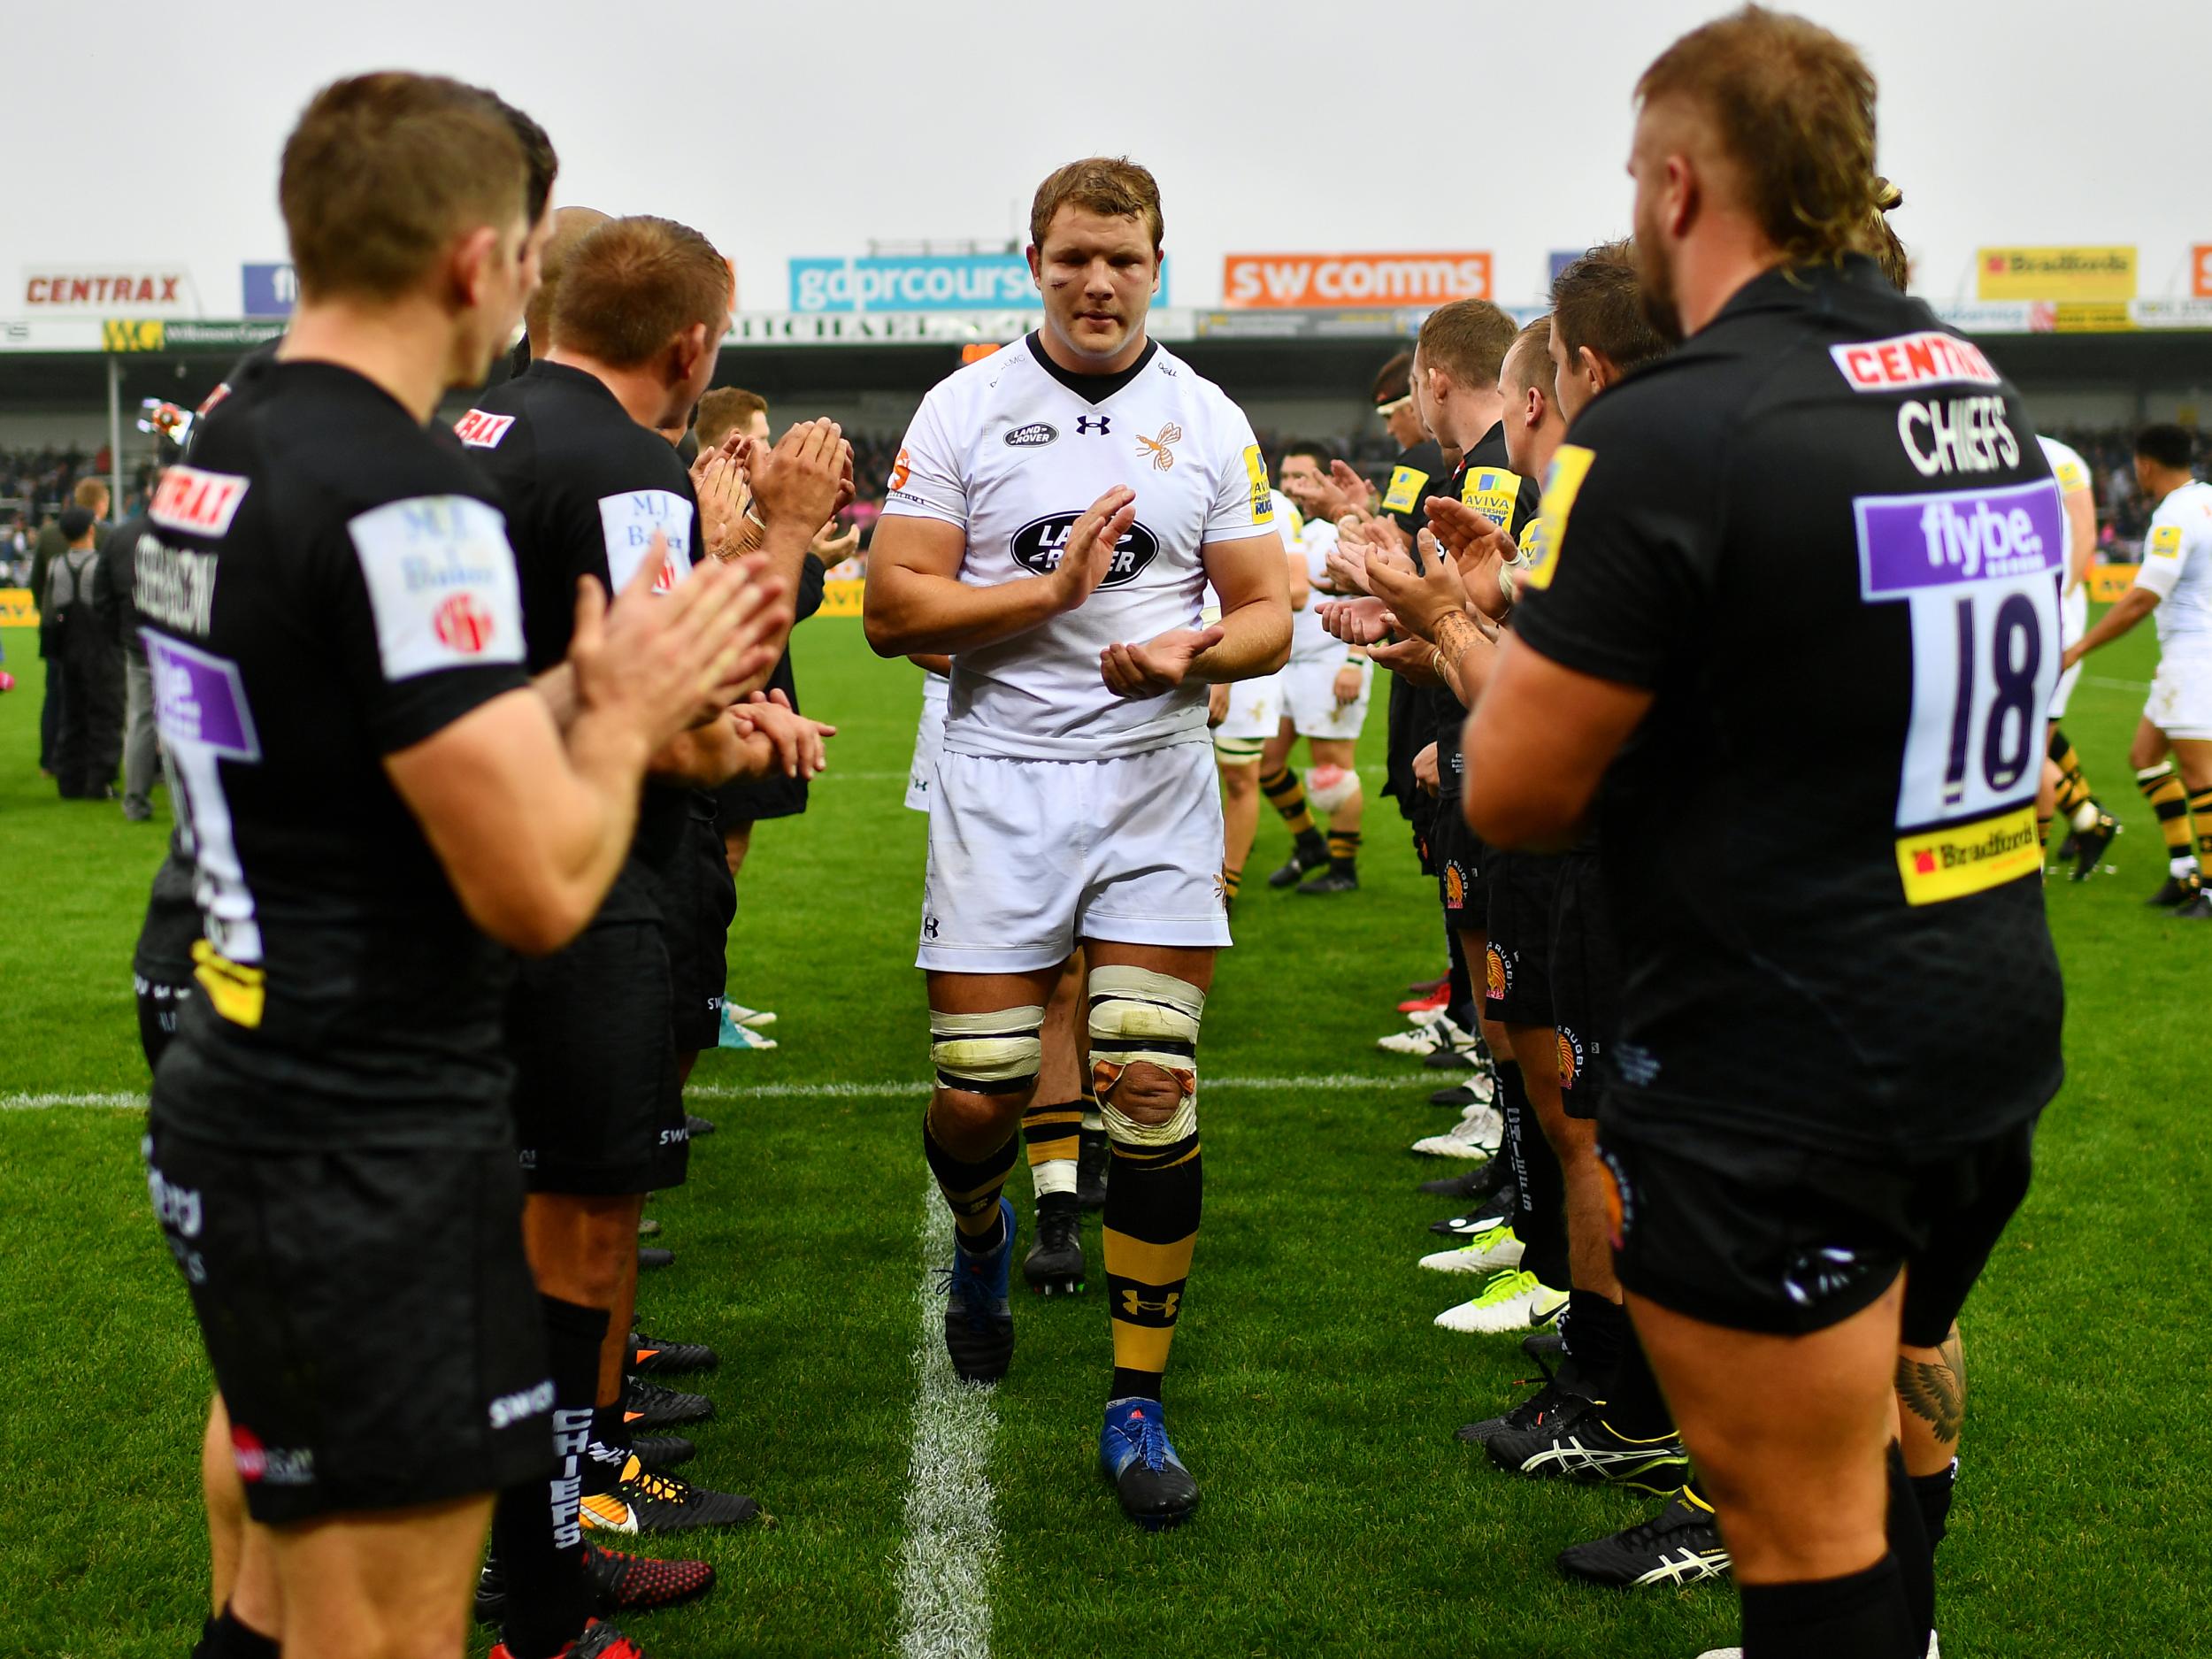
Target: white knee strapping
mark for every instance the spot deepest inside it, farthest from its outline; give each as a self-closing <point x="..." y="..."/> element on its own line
<point x="1138" y="1016"/>
<point x="997" y="1053"/>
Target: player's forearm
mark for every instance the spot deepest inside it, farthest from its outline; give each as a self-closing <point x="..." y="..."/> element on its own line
<point x="2132" y="608"/>
<point x="907" y="613"/>
<point x="705" y="757"/>
<point x="1255" y="641"/>
<point x="557" y="686"/>
<point x="1464" y="657"/>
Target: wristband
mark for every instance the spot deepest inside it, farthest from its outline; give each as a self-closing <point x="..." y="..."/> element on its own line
<point x="1436" y="662"/>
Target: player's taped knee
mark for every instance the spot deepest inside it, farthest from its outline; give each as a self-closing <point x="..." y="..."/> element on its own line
<point x="997" y="1053"/>
<point x="1139" y="1017"/>
<point x="1238" y="751"/>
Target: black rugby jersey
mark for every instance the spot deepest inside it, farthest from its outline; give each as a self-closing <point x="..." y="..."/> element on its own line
<point x="586" y="489"/>
<point x="1822" y="533"/>
<point x="1486" y="482"/>
<point x="327" y="585"/>
<point x="163" y="952"/>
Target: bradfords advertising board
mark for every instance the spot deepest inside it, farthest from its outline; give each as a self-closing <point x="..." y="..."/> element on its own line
<point x="1308" y="280"/>
<point x="920" y="283"/>
<point x="2055" y="274"/>
<point x="110" y="290"/>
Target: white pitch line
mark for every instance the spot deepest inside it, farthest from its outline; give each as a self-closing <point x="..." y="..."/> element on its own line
<point x="2117" y="685"/>
<point x="951" y="1549"/>
<point x="1331" y="1083"/>
<point x="40" y="1102"/>
<point x="1339" y="1082"/>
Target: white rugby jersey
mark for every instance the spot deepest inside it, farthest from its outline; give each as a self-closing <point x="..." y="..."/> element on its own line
<point x="1308" y="640"/>
<point x="2178" y="567"/>
<point x="1014" y="450"/>
<point x="2072" y="473"/>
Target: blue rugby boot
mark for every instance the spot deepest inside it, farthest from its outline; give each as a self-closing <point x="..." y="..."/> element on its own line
<point x="978" y="1318"/>
<point x="1157" y="1492"/>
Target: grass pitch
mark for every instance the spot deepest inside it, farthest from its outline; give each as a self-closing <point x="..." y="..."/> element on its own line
<point x="1312" y="1395"/>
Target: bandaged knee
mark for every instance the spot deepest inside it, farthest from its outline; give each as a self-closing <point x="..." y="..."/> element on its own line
<point x="1139" y="1017"/>
<point x="997" y="1053"/>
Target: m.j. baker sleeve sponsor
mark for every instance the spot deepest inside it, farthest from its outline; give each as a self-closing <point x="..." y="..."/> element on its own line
<point x="441" y="584"/>
<point x="629" y="522"/>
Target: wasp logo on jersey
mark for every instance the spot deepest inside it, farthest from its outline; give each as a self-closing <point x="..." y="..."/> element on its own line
<point x="1037" y="546"/>
<point x="1163" y="455"/>
<point x="1034" y="436"/>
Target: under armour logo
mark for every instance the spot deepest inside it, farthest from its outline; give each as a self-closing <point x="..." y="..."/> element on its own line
<point x="1133" y="1304"/>
<point x="929" y="928"/>
<point x="1105" y="424"/>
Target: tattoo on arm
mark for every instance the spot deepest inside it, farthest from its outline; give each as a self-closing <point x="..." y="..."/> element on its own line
<point x="1456" y="635"/>
<point x="1936" y="1391"/>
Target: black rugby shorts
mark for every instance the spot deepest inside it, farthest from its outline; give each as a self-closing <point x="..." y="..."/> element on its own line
<point x="1787" y="1239"/>
<point x="369" y="1316"/>
<point x="1457" y="857"/>
<point x="1586" y="981"/>
<point x="1516" y="985"/>
<point x="598" y="1106"/>
<point x="159" y="1005"/>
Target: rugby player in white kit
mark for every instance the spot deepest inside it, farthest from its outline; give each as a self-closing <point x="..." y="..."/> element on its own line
<point x="1054" y="517"/>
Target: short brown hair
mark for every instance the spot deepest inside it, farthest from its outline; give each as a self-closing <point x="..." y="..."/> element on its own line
<point x="571" y="226"/>
<point x="1394" y="379"/>
<point x="1529" y="361"/>
<point x="723" y="411"/>
<point x="1113" y="186"/>
<point x="1468" y="340"/>
<point x="1597" y="302"/>
<point x="1792" y="106"/>
<point x="91" y="494"/>
<point x="384" y="170"/>
<point x="633" y="285"/>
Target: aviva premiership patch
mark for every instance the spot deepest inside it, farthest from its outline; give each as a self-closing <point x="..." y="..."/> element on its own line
<point x="1491" y="491"/>
<point x="1569" y="466"/>
<point x="1263" y="498"/>
<point x="1404" y="493"/>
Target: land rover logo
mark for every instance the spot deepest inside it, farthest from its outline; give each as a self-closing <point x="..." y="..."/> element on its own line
<point x="1037" y="546"/>
<point x="1032" y="436"/>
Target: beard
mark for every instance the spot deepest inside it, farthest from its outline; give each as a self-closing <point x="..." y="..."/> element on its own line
<point x="1655" y="283"/>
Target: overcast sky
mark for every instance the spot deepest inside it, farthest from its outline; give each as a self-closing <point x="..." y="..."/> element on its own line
<point x="139" y="133"/>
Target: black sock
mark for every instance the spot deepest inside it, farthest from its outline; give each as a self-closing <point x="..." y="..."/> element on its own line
<point x="1461" y="1009"/>
<point x="609" y="1452"/>
<point x="1541" y="1225"/>
<point x="1594" y="1329"/>
<point x="541" y="1543"/>
<point x="1634" y="1404"/>
<point x="1860" y="1615"/>
<point x="971" y="1190"/>
<point x="226" y="1637"/>
<point x="1909" y="1548"/>
<point x="1933" y="1493"/>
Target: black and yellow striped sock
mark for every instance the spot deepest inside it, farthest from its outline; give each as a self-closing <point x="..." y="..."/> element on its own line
<point x="1288" y="796"/>
<point x="2162" y="787"/>
<point x="2043" y="831"/>
<point x="1153" y="1201"/>
<point x="1231" y="880"/>
<point x="1343" y="848"/>
<point x="971" y="1189"/>
<point x="1052" y="1136"/>
<point x="2073" y="787"/>
<point x="2200" y="808"/>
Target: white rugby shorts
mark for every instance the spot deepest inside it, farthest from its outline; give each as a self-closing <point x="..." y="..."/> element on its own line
<point x="1255" y="709"/>
<point x="2073" y="622"/>
<point x="1026" y="857"/>
<point x="929" y="739"/>
<point x="1309" y="698"/>
<point x="2180" y="702"/>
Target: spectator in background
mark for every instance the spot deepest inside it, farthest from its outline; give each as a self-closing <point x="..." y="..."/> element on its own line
<point x="116" y="586"/>
<point x="80" y="652"/>
<point x="92" y="495"/>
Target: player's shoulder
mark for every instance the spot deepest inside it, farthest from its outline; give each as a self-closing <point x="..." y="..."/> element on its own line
<point x="1171" y="376"/>
<point x="2187" y="510"/>
<point x="974" y="384"/>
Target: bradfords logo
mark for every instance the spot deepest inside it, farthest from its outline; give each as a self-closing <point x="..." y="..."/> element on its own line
<point x="1911" y="543"/>
<point x="1038" y="545"/>
<point x="196" y="503"/>
<point x="1923" y="359"/>
<point x="1027" y="437"/>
